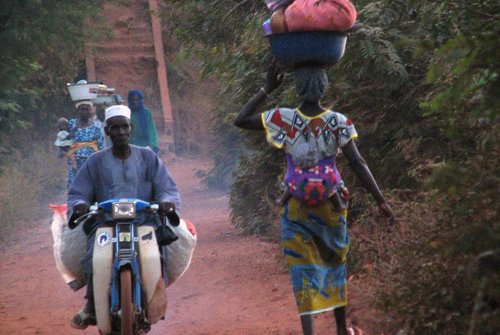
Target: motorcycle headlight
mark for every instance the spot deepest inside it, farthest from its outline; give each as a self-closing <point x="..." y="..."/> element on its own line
<point x="124" y="210"/>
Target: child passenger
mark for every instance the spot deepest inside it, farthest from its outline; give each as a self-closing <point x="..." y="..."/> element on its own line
<point x="64" y="139"/>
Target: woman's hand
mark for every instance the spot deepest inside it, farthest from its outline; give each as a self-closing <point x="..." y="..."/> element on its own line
<point x="274" y="77"/>
<point x="386" y="211"/>
<point x="247" y="117"/>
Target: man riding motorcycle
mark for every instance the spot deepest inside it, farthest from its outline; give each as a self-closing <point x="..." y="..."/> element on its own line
<point x="120" y="171"/>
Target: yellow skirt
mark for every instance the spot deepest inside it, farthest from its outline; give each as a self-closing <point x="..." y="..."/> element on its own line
<point x="315" y="245"/>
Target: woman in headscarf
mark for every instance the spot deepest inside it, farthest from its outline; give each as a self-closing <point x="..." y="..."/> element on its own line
<point x="144" y="133"/>
<point x="314" y="216"/>
<point x="87" y="137"/>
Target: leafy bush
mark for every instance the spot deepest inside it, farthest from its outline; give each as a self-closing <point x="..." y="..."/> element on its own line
<point x="421" y="82"/>
<point x="450" y="289"/>
<point x="237" y="55"/>
<point x="43" y="45"/>
<point x="27" y="183"/>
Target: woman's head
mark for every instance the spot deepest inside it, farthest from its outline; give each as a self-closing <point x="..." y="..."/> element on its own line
<point x="311" y="82"/>
<point x="135" y="99"/>
<point x="84" y="109"/>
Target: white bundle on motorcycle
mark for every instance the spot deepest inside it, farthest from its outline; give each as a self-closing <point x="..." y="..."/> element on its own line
<point x="180" y="252"/>
<point x="70" y="247"/>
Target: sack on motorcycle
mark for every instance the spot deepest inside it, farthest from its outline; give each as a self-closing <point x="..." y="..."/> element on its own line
<point x="165" y="235"/>
<point x="69" y="247"/>
<point x="180" y="252"/>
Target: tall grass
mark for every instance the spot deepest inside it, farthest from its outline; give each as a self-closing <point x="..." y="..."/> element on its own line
<point x="28" y="182"/>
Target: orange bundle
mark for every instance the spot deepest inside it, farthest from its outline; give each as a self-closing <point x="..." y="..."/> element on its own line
<point x="320" y="15"/>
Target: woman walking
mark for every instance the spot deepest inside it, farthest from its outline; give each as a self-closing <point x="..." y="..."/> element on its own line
<point x="144" y="133"/>
<point x="314" y="213"/>
<point x="88" y="138"/>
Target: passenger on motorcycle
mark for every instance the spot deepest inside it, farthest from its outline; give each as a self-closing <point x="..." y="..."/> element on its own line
<point x="120" y="171"/>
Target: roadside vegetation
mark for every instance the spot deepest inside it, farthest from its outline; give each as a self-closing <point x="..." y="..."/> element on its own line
<point x="42" y="49"/>
<point x="421" y="82"/>
<point x="28" y="180"/>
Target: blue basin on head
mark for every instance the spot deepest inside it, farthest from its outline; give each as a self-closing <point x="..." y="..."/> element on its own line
<point x="319" y="47"/>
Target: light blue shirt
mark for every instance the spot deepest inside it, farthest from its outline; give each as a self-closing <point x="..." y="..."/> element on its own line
<point x="103" y="176"/>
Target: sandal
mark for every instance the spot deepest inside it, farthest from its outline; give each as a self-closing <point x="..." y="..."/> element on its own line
<point x="83" y="319"/>
<point x="76" y="284"/>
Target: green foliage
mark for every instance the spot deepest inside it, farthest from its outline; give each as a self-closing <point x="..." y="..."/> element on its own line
<point x="256" y="184"/>
<point x="229" y="46"/>
<point x="226" y="153"/>
<point x="420" y="81"/>
<point x="43" y="45"/>
<point x="42" y="49"/>
<point x="463" y="104"/>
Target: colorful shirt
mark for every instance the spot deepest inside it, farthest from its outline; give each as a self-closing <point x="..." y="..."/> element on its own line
<point x="315" y="240"/>
<point x="144" y="132"/>
<point x="92" y="133"/>
<point x="61" y="140"/>
<point x="94" y="136"/>
<point x="286" y="128"/>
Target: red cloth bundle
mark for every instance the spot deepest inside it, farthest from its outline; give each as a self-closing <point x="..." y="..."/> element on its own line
<point x="320" y="15"/>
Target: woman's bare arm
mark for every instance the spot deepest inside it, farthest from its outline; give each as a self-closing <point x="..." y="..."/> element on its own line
<point x="362" y="171"/>
<point x="247" y="117"/>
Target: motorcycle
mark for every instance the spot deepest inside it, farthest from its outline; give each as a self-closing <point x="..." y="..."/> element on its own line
<point x="128" y="271"/>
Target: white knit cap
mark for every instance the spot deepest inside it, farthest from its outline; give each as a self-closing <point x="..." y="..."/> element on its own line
<point x="116" y="110"/>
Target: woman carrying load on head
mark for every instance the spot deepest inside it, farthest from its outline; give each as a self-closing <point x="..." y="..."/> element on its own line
<point x="88" y="138"/>
<point x="314" y="216"/>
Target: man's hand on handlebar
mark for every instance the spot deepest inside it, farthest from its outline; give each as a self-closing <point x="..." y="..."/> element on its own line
<point x="167" y="209"/>
<point x="79" y="210"/>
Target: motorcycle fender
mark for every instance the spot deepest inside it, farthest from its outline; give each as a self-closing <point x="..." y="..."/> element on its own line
<point x="151" y="276"/>
<point x="102" y="264"/>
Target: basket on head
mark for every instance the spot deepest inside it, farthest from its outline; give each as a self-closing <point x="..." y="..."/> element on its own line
<point x="317" y="47"/>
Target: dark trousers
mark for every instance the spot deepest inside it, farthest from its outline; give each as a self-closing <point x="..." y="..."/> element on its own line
<point x="86" y="262"/>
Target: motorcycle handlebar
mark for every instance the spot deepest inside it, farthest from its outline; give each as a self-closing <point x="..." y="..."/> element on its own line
<point x="98" y="209"/>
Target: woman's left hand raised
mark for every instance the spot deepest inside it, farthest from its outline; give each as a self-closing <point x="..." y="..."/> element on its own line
<point x="274" y="77"/>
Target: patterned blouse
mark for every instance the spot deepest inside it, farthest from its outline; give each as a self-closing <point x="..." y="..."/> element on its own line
<point x="86" y="141"/>
<point x="88" y="134"/>
<point x="286" y="128"/>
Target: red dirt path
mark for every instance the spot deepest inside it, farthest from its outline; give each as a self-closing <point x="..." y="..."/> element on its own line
<point x="236" y="284"/>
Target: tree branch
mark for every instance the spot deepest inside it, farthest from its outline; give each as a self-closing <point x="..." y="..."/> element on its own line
<point x="234" y="8"/>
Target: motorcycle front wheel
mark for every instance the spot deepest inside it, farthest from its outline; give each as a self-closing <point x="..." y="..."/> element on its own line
<point x="127" y="320"/>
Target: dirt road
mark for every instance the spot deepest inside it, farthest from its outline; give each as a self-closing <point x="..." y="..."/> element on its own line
<point x="235" y="285"/>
